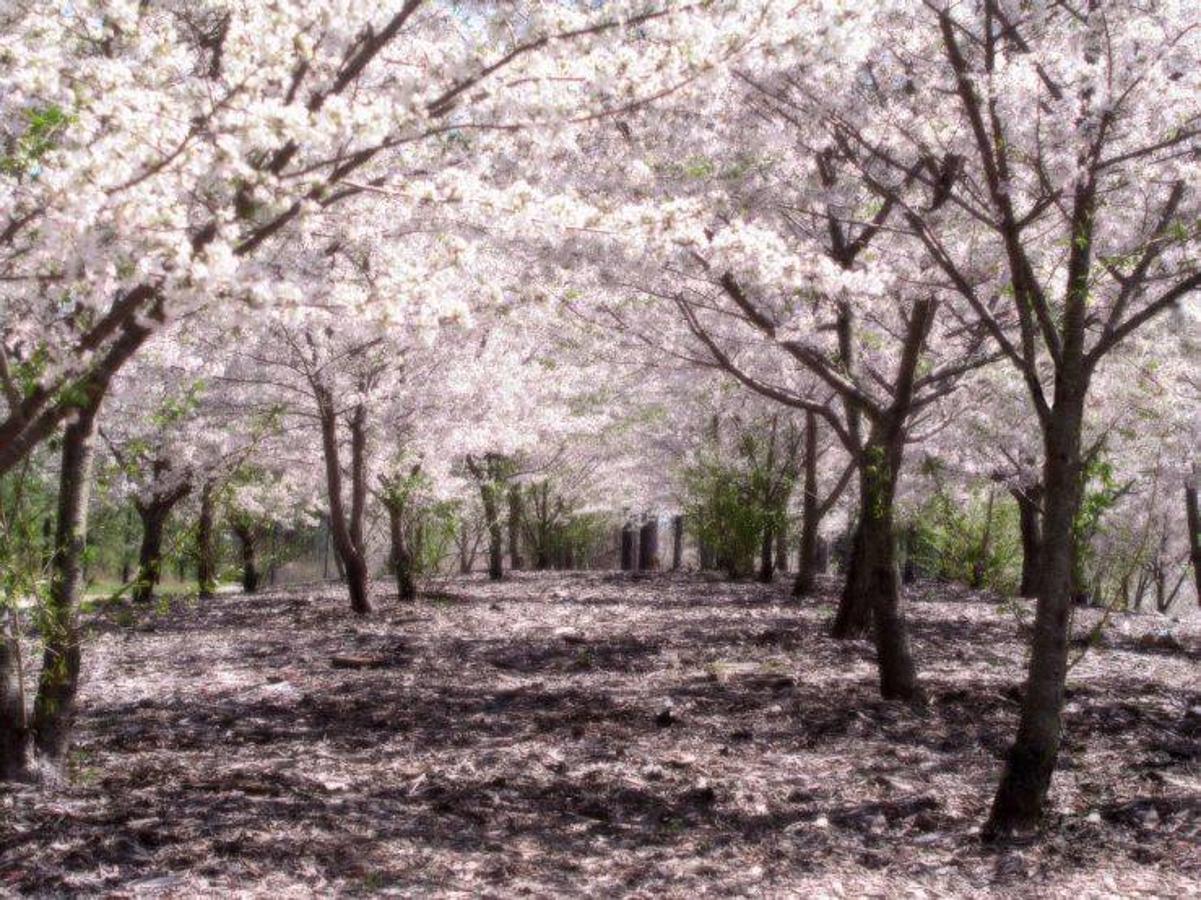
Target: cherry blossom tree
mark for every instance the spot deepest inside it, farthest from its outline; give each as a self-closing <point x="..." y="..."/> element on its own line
<point x="1067" y="170"/>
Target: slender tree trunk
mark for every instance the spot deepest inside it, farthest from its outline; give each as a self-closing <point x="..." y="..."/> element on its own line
<point x="648" y="545"/>
<point x="807" y="565"/>
<point x="628" y="546"/>
<point x="1029" y="500"/>
<point x="128" y="532"/>
<point x="47" y="541"/>
<point x="206" y="550"/>
<point x="54" y="706"/>
<point x="767" y="555"/>
<point x="1021" y="795"/>
<point x="402" y="556"/>
<point x="980" y="566"/>
<point x="496" y="540"/>
<point x="1194" y="533"/>
<point x="347" y="534"/>
<point x="516" y="516"/>
<point x="249" y="539"/>
<point x="677" y="542"/>
<point x="782" y="547"/>
<point x="16" y="757"/>
<point x="467" y="547"/>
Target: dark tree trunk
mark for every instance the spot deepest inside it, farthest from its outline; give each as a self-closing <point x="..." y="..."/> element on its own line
<point x="129" y="531"/>
<point x="402" y="555"/>
<point x="1193" y="514"/>
<point x="677" y="542"/>
<point x="16" y="759"/>
<point x="854" y="617"/>
<point x="325" y="540"/>
<point x="874" y="588"/>
<point x="873" y="582"/>
<point x="648" y="545"/>
<point x="628" y="547"/>
<point x="909" y="570"/>
<point x="467" y="547"/>
<point x="496" y="540"/>
<point x="348" y="535"/>
<point x="150" y="555"/>
<point x="807" y="565"/>
<point x="869" y="591"/>
<point x="1029" y="500"/>
<point x="516" y="515"/>
<point x="54" y="706"/>
<point x="1021" y="795"/>
<point x="206" y="550"/>
<point x="249" y="540"/>
<point x="47" y="542"/>
<point x="767" y="555"/>
<point x="154" y="514"/>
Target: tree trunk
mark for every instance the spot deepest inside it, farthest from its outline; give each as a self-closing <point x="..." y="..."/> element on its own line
<point x="1030" y="524"/>
<point x="1194" y="533"/>
<point x="628" y="547"/>
<point x="496" y="541"/>
<point x="854" y="617"/>
<point x="206" y="551"/>
<point x="516" y="515"/>
<point x="402" y="556"/>
<point x="782" y="547"/>
<point x="767" y="555"/>
<point x="16" y="761"/>
<point x="873" y="580"/>
<point x="807" y="565"/>
<point x="347" y="534"/>
<point x="1021" y="795"/>
<point x="648" y="545"/>
<point x="54" y="706"/>
<point x="467" y="547"/>
<point x="248" y="538"/>
<point x="980" y="565"/>
<point x="150" y="555"/>
<point x="677" y="542"/>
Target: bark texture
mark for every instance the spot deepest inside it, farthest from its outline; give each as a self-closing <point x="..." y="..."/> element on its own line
<point x="54" y="706"/>
<point x="648" y="545"/>
<point x="206" y="549"/>
<point x="1029" y="500"/>
<point x="1030" y="763"/>
<point x="248" y="539"/>
<point x="677" y="542"/>
<point x="346" y="525"/>
<point x="807" y="564"/>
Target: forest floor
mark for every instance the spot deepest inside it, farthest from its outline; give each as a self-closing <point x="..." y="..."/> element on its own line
<point x="604" y="735"/>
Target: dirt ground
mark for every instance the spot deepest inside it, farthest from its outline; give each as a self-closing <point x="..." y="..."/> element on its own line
<point x="597" y="734"/>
